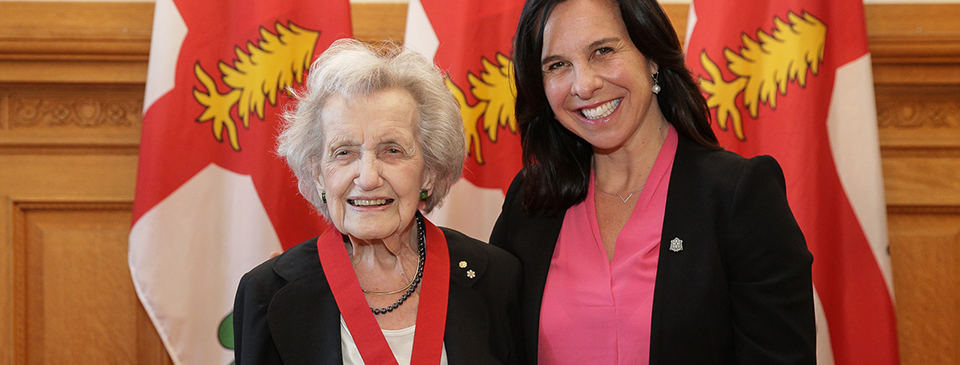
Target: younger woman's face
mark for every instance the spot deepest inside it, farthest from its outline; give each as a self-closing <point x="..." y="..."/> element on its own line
<point x="597" y="82"/>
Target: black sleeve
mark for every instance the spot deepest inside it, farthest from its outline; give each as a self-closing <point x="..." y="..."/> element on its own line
<point x="253" y="343"/>
<point x="769" y="272"/>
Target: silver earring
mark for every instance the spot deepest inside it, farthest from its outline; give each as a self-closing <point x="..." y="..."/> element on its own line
<point x="656" y="83"/>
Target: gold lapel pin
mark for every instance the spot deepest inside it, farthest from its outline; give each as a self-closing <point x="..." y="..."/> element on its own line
<point x="463" y="264"/>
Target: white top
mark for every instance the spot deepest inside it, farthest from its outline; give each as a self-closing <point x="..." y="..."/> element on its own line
<point x="400" y="341"/>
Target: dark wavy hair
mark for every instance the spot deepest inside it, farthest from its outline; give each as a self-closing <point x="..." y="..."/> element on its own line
<point x="556" y="162"/>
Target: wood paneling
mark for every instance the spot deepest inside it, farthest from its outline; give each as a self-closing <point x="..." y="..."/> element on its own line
<point x="926" y="268"/>
<point x="74" y="42"/>
<point x="378" y="22"/>
<point x="76" y="299"/>
<point x="100" y="116"/>
<point x="68" y="158"/>
<point x="71" y="89"/>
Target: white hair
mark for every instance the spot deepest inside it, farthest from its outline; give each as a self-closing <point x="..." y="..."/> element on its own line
<point x="351" y="68"/>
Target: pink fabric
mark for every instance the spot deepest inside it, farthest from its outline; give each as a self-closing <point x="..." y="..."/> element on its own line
<point x="598" y="311"/>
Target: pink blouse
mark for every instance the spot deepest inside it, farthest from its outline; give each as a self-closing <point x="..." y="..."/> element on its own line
<point x="598" y="311"/>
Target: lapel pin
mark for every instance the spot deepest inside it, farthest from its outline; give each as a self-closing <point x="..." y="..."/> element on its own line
<point x="471" y="274"/>
<point x="676" y="244"/>
<point x="463" y="264"/>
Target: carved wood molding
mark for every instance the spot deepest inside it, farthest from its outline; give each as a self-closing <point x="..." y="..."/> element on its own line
<point x="919" y="113"/>
<point x="919" y="120"/>
<point x="84" y="112"/>
<point x="70" y="115"/>
<point x="927" y="107"/>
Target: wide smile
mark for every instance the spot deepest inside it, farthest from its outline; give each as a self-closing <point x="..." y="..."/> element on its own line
<point x="369" y="202"/>
<point x="602" y="111"/>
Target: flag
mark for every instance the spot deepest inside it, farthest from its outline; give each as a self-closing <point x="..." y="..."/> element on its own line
<point x="471" y="42"/>
<point x="212" y="198"/>
<point x="793" y="79"/>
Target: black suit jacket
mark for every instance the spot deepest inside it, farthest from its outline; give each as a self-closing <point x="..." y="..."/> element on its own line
<point x="740" y="291"/>
<point x="285" y="313"/>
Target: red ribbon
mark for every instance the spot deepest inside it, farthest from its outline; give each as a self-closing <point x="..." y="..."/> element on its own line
<point x="431" y="311"/>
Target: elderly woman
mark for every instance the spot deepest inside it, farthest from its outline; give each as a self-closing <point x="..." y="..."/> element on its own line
<point x="642" y="242"/>
<point x="376" y="140"/>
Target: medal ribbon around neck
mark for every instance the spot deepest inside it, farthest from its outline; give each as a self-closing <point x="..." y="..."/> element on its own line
<point x="431" y="310"/>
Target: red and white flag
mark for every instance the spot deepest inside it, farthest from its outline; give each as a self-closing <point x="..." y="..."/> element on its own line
<point x="793" y="79"/>
<point x="213" y="200"/>
<point x="471" y="42"/>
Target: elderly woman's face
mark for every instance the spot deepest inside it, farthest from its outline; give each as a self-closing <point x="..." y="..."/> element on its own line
<point x="597" y="83"/>
<point x="372" y="168"/>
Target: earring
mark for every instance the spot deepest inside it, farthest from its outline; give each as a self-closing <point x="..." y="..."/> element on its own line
<point x="423" y="195"/>
<point x="323" y="196"/>
<point x="656" y="83"/>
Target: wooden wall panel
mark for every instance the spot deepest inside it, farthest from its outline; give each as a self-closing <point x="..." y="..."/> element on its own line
<point x="68" y="158"/>
<point x="71" y="86"/>
<point x="906" y="176"/>
<point x="378" y="22"/>
<point x="77" y="299"/>
<point x="927" y="279"/>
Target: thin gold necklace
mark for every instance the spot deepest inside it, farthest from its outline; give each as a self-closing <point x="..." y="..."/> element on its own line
<point x="618" y="195"/>
<point x="365" y="291"/>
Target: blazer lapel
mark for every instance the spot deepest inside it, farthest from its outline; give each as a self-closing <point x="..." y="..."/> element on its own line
<point x="535" y="249"/>
<point x="685" y="215"/>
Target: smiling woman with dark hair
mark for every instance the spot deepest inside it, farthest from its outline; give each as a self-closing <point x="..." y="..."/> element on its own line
<point x="642" y="241"/>
<point x="376" y="141"/>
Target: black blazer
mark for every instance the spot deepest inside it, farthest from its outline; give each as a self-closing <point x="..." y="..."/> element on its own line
<point x="285" y="313"/>
<point x="740" y="291"/>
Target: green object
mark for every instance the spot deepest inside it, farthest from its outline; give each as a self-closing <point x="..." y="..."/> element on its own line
<point x="225" y="332"/>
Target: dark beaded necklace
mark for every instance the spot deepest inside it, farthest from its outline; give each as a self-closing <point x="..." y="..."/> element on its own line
<point x="416" y="280"/>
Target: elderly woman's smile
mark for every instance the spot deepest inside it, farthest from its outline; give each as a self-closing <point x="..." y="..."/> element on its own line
<point x="368" y="202"/>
